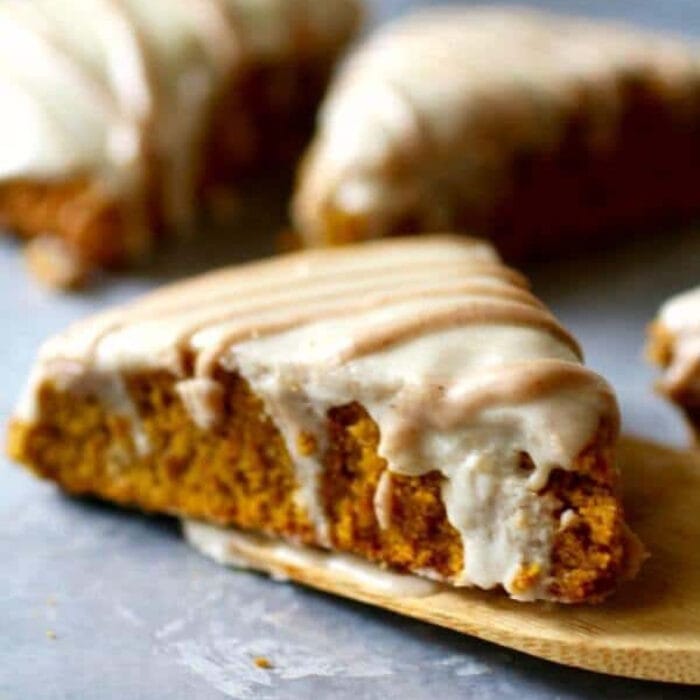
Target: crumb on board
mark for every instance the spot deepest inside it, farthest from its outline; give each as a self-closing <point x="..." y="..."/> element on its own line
<point x="50" y="634"/>
<point x="262" y="662"/>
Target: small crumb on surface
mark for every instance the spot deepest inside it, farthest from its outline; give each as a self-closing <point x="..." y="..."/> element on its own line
<point x="262" y="662"/>
<point x="51" y="600"/>
<point x="50" y="634"/>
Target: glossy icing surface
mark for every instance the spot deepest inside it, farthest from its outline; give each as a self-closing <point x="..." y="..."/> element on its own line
<point x="462" y="369"/>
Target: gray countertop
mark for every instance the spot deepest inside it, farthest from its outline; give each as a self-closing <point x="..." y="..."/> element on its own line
<point x="100" y="603"/>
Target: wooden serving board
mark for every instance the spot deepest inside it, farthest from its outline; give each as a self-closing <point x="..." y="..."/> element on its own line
<point x="650" y="629"/>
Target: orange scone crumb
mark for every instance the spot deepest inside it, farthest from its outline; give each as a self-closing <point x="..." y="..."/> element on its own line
<point x="238" y="473"/>
<point x="417" y="534"/>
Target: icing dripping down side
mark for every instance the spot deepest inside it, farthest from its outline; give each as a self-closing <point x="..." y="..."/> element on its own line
<point x="460" y="367"/>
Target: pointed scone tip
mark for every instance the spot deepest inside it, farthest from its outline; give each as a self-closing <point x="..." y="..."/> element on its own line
<point x="524" y="126"/>
<point x="407" y="401"/>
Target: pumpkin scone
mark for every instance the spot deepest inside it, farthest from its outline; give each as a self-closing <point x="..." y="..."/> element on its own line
<point x="674" y="344"/>
<point x="120" y="116"/>
<point x="546" y="133"/>
<point x="407" y="401"/>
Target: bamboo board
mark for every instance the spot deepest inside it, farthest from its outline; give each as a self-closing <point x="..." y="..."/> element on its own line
<point x="650" y="629"/>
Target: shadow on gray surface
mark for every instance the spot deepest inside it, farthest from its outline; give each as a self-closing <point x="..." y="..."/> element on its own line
<point x="657" y="264"/>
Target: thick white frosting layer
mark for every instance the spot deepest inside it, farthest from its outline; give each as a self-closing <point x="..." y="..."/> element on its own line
<point x="429" y="112"/>
<point x="96" y="88"/>
<point x="462" y="369"/>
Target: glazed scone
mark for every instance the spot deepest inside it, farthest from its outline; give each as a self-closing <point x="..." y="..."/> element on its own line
<point x="119" y="115"/>
<point x="543" y="132"/>
<point x="674" y="344"/>
<point x="410" y="402"/>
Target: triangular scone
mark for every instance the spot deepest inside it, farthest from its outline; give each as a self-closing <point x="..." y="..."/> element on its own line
<point x="408" y="401"/>
<point x="118" y="116"/>
<point x="540" y="131"/>
<point x="674" y="344"/>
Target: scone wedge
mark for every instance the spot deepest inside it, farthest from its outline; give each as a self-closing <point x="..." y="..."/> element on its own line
<point x="120" y="117"/>
<point x="410" y="402"/>
<point x="544" y="132"/>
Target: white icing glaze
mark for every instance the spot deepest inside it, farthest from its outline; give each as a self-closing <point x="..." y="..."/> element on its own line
<point x="461" y="368"/>
<point x="567" y="519"/>
<point x="203" y="398"/>
<point x="682" y="312"/>
<point x="486" y="492"/>
<point x="680" y="316"/>
<point x="429" y="112"/>
<point x="250" y="551"/>
<point x="382" y="500"/>
<point x="100" y="88"/>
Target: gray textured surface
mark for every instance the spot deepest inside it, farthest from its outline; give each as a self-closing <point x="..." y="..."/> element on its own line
<point x="136" y="614"/>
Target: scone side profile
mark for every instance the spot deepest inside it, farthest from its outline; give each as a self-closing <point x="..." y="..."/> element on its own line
<point x="167" y="114"/>
<point x="399" y="422"/>
<point x="196" y="477"/>
<point x="674" y="345"/>
<point x="544" y="133"/>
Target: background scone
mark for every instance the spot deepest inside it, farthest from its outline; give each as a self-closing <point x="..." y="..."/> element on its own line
<point x="118" y="114"/>
<point x="409" y="401"/>
<point x="674" y="344"/>
<point x="542" y="132"/>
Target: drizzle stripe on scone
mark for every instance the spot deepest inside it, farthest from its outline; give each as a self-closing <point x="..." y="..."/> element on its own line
<point x="407" y="401"/>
